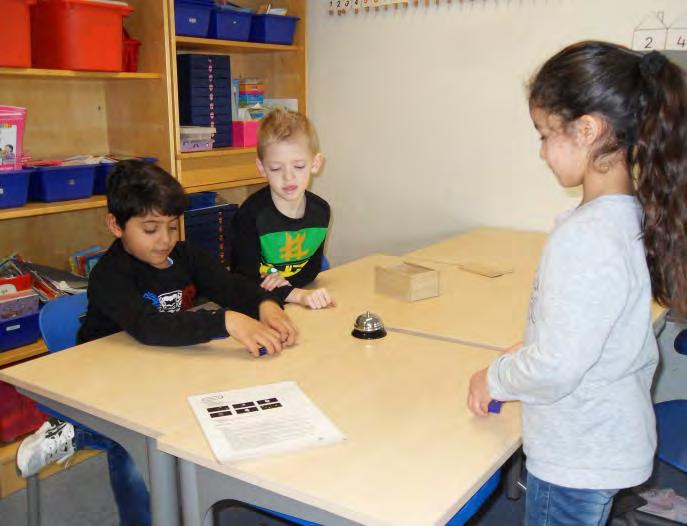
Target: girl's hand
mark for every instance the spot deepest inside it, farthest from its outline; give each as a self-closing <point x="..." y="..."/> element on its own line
<point x="478" y="394"/>
<point x="274" y="281"/>
<point x="252" y="333"/>
<point x="274" y="317"/>
<point x="314" y="299"/>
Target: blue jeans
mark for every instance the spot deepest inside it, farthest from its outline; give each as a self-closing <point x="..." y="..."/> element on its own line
<point x="551" y="505"/>
<point x="128" y="486"/>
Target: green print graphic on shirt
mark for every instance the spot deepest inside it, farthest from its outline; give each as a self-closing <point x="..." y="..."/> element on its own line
<point x="288" y="252"/>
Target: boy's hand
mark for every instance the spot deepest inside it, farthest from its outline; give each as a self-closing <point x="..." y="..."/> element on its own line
<point x="275" y="318"/>
<point x="252" y="333"/>
<point x="315" y="299"/>
<point x="478" y="394"/>
<point x="274" y="281"/>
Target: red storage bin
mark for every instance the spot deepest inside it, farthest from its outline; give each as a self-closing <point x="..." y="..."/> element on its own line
<point x="19" y="415"/>
<point x="77" y="34"/>
<point x="15" y="28"/>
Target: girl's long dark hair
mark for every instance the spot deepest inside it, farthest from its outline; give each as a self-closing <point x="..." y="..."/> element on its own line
<point x="643" y="99"/>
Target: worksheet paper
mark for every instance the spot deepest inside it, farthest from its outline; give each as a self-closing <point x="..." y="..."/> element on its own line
<point x="263" y="420"/>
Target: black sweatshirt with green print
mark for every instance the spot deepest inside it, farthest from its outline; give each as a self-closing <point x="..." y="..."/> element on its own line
<point x="263" y="240"/>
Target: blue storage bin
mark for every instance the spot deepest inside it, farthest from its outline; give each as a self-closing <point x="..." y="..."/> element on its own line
<point x="103" y="169"/>
<point x="273" y="29"/>
<point x="201" y="200"/>
<point x="229" y="24"/>
<point x="191" y="20"/>
<point x="14" y="188"/>
<point x="15" y="332"/>
<point x="61" y="183"/>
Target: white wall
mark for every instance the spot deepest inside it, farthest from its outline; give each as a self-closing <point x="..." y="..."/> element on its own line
<point x="423" y="117"/>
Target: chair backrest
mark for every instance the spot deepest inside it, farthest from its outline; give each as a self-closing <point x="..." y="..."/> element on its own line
<point x="60" y="321"/>
<point x="681" y="342"/>
<point x="325" y="264"/>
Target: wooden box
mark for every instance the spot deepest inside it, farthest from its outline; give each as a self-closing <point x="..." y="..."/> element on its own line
<point x="407" y="281"/>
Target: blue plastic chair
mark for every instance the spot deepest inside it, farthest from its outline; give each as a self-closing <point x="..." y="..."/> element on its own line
<point x="671" y="423"/>
<point x="325" y="264"/>
<point x="671" y="427"/>
<point x="60" y="320"/>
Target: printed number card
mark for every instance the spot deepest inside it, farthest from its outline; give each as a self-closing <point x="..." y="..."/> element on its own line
<point x="651" y="34"/>
<point x="677" y="34"/>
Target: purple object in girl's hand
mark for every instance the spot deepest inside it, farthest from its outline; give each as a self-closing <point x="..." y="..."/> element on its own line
<point x="495" y="406"/>
<point x="262" y="351"/>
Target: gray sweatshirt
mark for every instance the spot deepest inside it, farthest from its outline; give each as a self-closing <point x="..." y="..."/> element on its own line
<point x="585" y="370"/>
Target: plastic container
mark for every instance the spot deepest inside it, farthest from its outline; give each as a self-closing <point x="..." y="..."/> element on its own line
<point x="15" y="28"/>
<point x="19" y="415"/>
<point x="130" y="53"/>
<point x="191" y="19"/>
<point x="201" y="200"/>
<point x="12" y="123"/>
<point x="82" y="35"/>
<point x="196" y="138"/>
<point x="15" y="332"/>
<point x="245" y="133"/>
<point x="14" y="188"/>
<point x="273" y="29"/>
<point x="103" y="169"/>
<point x="229" y="24"/>
<point x="61" y="183"/>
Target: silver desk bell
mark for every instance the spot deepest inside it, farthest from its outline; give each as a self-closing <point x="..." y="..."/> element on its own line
<point x="368" y="326"/>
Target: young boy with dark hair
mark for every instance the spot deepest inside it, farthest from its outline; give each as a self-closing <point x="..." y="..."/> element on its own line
<point x="144" y="285"/>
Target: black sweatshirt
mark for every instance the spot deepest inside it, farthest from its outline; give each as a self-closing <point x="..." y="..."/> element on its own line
<point x="150" y="304"/>
<point x="263" y="240"/>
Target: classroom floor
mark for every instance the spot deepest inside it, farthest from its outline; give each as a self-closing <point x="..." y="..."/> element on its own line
<point x="81" y="496"/>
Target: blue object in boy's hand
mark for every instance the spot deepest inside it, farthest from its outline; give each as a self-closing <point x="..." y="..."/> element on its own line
<point x="495" y="406"/>
<point x="262" y="351"/>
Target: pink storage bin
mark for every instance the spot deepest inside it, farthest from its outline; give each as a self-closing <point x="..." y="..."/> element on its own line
<point x="12" y="122"/>
<point x="245" y="133"/>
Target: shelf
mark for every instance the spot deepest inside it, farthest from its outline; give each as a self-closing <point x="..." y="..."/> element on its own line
<point x="39" y="209"/>
<point x="217" y="152"/>
<point x="22" y="353"/>
<point x="222" y="186"/>
<point x="229" y="46"/>
<point x="69" y="74"/>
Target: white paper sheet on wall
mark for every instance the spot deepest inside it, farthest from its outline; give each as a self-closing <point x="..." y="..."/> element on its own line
<point x="263" y="420"/>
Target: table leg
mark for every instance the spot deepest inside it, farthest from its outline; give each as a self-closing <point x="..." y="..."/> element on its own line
<point x="164" y="504"/>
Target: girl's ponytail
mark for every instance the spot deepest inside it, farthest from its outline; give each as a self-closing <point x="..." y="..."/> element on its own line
<point x="659" y="161"/>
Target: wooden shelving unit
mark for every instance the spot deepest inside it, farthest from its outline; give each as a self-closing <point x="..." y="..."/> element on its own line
<point x="283" y="69"/>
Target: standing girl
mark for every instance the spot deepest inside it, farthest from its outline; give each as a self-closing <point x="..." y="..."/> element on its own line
<point x="615" y="122"/>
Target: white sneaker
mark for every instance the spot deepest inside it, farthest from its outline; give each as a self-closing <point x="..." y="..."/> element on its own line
<point x="52" y="442"/>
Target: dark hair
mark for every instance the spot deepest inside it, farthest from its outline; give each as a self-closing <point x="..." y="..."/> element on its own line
<point x="135" y="188"/>
<point x="643" y="100"/>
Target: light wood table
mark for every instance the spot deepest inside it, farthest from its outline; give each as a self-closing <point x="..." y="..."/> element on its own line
<point x="471" y="309"/>
<point x="518" y="249"/>
<point x="413" y="456"/>
<point x="501" y="247"/>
